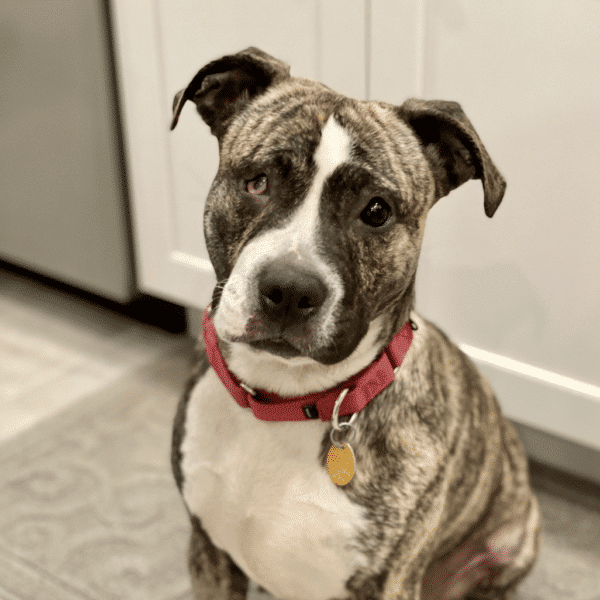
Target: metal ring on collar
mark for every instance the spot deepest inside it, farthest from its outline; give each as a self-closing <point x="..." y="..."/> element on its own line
<point x="336" y="425"/>
<point x="338" y="443"/>
<point x="336" y="408"/>
<point x="247" y="388"/>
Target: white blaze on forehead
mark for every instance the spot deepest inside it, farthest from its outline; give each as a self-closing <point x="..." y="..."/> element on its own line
<point x="332" y="151"/>
<point x="334" y="147"/>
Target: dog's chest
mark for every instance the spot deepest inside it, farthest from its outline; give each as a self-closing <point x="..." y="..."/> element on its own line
<point x="263" y="496"/>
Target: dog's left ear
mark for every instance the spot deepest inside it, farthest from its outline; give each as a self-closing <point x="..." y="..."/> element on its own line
<point x="453" y="149"/>
<point x="223" y="87"/>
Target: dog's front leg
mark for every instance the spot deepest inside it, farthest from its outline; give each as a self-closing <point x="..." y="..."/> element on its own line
<point x="214" y="575"/>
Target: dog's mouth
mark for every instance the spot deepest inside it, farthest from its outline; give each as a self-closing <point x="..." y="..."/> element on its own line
<point x="278" y="347"/>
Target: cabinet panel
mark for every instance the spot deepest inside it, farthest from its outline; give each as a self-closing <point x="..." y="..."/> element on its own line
<point x="523" y="286"/>
<point x="395" y="50"/>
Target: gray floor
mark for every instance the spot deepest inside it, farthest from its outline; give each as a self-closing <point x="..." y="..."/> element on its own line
<point x="88" y="508"/>
<point x="56" y="349"/>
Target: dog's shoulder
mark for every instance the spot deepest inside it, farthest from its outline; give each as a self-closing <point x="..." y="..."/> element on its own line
<point x="200" y="366"/>
<point x="441" y="360"/>
<point x="437" y="385"/>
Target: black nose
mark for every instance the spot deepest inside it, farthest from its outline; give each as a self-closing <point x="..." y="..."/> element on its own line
<point x="289" y="294"/>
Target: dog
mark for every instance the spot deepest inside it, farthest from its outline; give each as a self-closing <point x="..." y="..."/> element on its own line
<point x="333" y="444"/>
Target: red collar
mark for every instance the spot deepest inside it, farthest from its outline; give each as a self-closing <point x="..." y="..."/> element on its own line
<point x="363" y="387"/>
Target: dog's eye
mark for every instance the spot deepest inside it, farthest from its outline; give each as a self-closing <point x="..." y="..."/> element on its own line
<point x="259" y="186"/>
<point x="376" y="213"/>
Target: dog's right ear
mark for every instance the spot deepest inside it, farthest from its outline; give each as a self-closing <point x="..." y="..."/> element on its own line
<point x="223" y="87"/>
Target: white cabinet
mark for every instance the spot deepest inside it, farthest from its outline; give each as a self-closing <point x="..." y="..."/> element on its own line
<point x="520" y="292"/>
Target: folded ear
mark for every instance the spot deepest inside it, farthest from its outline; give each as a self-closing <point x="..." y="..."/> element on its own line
<point x="453" y="149"/>
<point x="223" y="87"/>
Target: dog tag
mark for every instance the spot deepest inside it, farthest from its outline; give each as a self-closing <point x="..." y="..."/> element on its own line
<point x="340" y="464"/>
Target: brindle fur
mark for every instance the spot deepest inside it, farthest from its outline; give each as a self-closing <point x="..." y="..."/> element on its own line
<point x="438" y="468"/>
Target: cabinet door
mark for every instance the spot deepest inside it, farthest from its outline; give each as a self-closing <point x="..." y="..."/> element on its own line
<point x="521" y="291"/>
<point x="160" y="47"/>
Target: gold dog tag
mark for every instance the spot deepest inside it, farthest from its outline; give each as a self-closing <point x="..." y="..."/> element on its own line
<point x="340" y="464"/>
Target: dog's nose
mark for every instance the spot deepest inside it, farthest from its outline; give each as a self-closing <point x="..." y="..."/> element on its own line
<point x="290" y="294"/>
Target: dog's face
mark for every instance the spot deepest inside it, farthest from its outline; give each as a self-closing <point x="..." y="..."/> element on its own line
<point x="315" y="219"/>
<point x="314" y="222"/>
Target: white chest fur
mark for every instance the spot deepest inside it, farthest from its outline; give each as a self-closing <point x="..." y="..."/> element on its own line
<point x="263" y="497"/>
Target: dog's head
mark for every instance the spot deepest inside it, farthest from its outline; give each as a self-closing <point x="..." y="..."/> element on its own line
<point x="315" y="218"/>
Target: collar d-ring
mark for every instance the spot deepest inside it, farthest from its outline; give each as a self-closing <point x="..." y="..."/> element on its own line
<point x="336" y="425"/>
<point x="336" y="410"/>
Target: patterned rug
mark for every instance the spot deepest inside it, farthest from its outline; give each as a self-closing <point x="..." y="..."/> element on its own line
<point x="88" y="507"/>
<point x="89" y="510"/>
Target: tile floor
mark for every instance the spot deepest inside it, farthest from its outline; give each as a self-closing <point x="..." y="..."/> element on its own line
<point x="56" y="349"/>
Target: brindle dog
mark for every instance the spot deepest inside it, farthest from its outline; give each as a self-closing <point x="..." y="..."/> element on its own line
<point x="314" y="224"/>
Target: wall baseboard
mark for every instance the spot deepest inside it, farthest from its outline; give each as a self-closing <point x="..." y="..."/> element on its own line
<point x="559" y="453"/>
